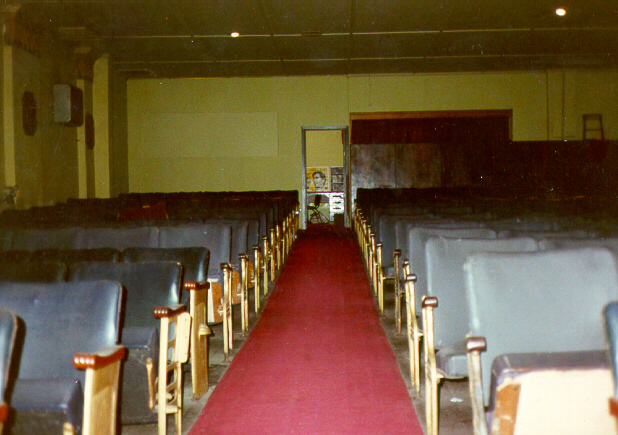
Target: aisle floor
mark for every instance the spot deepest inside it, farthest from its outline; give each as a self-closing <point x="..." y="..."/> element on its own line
<point x="455" y="410"/>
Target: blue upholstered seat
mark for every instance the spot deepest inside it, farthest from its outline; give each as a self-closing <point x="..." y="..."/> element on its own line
<point x="59" y="320"/>
<point x="148" y="285"/>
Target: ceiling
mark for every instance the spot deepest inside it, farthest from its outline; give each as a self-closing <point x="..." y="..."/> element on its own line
<point x="191" y="38"/>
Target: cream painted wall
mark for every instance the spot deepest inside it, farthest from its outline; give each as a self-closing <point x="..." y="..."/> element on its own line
<point x="119" y="145"/>
<point x="538" y="101"/>
<point x="46" y="164"/>
<point x="2" y="122"/>
<point x="324" y="148"/>
<point x="8" y="121"/>
<point x="593" y="92"/>
<point x="284" y="105"/>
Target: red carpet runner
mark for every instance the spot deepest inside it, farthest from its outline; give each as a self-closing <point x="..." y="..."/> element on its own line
<point x="318" y="361"/>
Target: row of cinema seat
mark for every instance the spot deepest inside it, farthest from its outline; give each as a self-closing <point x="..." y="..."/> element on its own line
<point x="520" y="295"/>
<point x="271" y="207"/>
<point x="228" y="241"/>
<point x="162" y="269"/>
<point x="151" y="277"/>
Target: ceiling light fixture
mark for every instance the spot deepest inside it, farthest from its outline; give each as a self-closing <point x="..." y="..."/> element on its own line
<point x="561" y="12"/>
<point x="235" y="34"/>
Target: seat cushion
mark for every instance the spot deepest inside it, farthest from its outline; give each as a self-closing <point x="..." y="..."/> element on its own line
<point x="144" y="339"/>
<point x="141" y="343"/>
<point x="42" y="405"/>
<point x="576" y="383"/>
<point x="452" y="360"/>
<point x="389" y="271"/>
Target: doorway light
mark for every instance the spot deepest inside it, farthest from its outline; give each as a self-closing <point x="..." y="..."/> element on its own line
<point x="235" y="34"/>
<point x="561" y="12"/>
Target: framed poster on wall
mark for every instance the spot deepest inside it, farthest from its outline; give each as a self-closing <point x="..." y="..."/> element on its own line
<point x="318" y="179"/>
<point x="336" y="178"/>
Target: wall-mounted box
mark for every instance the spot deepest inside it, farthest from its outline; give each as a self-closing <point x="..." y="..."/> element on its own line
<point x="68" y="105"/>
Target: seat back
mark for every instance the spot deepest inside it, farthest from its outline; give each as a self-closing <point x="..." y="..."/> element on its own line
<point x="404" y="225"/>
<point x="60" y="320"/>
<point x="49" y="271"/>
<point x="445" y="279"/>
<point x="573" y="243"/>
<point x="547" y="301"/>
<point x="148" y="285"/>
<point x="15" y="256"/>
<point x="194" y="260"/>
<point x="32" y="239"/>
<point x="8" y="330"/>
<point x="121" y="237"/>
<point x="6" y="237"/>
<point x="417" y="237"/>
<point x="72" y="256"/>
<point x="217" y="238"/>
<point x="240" y="236"/>
<point x="610" y="314"/>
<point x="540" y="235"/>
<point x="386" y="233"/>
<point x="523" y="225"/>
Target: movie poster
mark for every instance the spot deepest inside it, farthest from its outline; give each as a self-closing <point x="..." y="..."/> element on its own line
<point x="336" y="178"/>
<point x="318" y="179"/>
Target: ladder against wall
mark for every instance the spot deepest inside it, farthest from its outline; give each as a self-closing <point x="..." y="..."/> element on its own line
<point x="593" y="126"/>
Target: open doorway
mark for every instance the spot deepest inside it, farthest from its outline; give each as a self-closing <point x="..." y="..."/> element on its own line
<point x="325" y="176"/>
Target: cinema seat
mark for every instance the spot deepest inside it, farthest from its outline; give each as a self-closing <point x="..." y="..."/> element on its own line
<point x="72" y="256"/>
<point x="68" y="357"/>
<point x="217" y="238"/>
<point x="610" y="314"/>
<point x="148" y="285"/>
<point x="47" y="271"/>
<point x="8" y="329"/>
<point x="195" y="262"/>
<point x="535" y="339"/>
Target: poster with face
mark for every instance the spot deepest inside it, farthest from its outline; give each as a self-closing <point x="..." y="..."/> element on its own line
<point x="317" y="179"/>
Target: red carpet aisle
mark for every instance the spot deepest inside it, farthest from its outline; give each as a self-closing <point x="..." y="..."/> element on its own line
<point x="318" y="361"/>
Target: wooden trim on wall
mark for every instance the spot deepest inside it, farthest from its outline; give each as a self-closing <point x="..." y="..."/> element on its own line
<point x="433" y="114"/>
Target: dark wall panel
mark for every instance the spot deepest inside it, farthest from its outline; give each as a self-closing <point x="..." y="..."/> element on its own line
<point x="544" y="167"/>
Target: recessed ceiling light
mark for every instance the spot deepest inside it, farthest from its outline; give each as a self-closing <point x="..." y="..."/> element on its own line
<point x="561" y="12"/>
<point x="235" y="35"/>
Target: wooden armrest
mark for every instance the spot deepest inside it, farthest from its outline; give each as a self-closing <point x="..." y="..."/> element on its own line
<point x="102" y="358"/>
<point x="196" y="286"/>
<point x="225" y="266"/>
<point x="613" y="406"/>
<point x="474" y="347"/>
<point x="405" y="262"/>
<point x="379" y="245"/>
<point x="161" y="312"/>
<point x="100" y="389"/>
<point x="411" y="277"/>
<point x="397" y="253"/>
<point x="4" y="411"/>
<point x="430" y="301"/>
<point x="475" y="344"/>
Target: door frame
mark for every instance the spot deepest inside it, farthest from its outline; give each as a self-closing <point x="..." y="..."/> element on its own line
<point x="345" y="130"/>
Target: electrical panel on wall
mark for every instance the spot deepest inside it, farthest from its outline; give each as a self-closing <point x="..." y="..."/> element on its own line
<point x="68" y="105"/>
